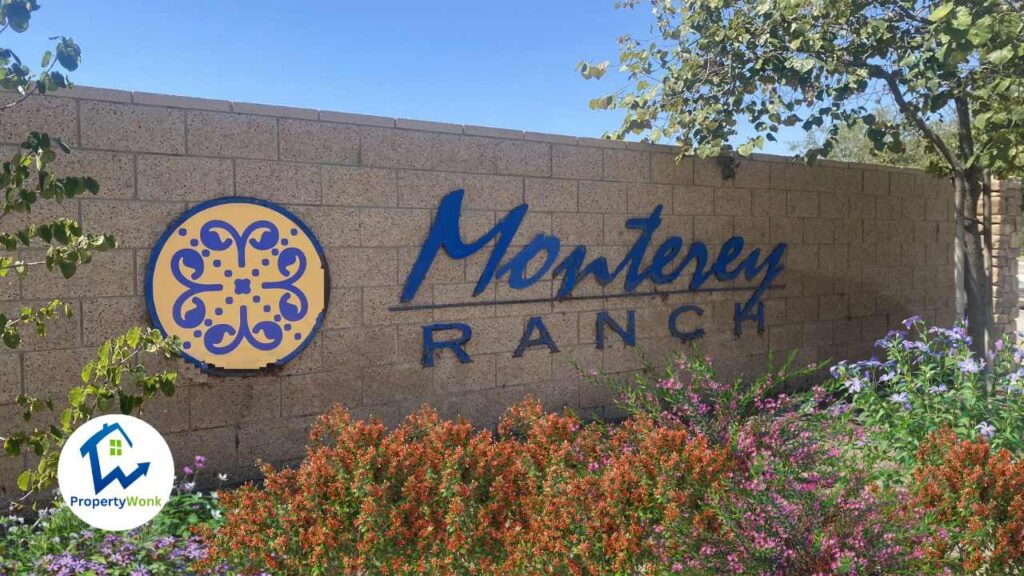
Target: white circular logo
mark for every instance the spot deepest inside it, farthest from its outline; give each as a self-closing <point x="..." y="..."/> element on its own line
<point x="115" y="472"/>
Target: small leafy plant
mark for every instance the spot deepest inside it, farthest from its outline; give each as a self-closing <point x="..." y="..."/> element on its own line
<point x="925" y="380"/>
<point x="688" y="392"/>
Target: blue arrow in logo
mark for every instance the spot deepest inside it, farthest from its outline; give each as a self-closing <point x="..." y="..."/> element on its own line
<point x="91" y="449"/>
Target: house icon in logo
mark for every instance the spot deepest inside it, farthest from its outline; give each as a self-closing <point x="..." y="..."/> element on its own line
<point x="91" y="448"/>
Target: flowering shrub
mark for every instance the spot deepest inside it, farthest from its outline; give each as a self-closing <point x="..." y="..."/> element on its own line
<point x="703" y="477"/>
<point x="547" y="495"/>
<point x="927" y="380"/>
<point x="971" y="497"/>
<point x="688" y="393"/>
<point x="57" y="543"/>
<point x="796" y="503"/>
<point x="551" y="495"/>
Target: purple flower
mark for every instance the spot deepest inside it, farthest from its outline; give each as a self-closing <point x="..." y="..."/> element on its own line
<point x="911" y="321"/>
<point x="834" y="371"/>
<point x="937" y="389"/>
<point x="839" y="408"/>
<point x="188" y="470"/>
<point x="200" y="461"/>
<point x="987" y="430"/>
<point x="855" y="385"/>
<point x="872" y="363"/>
<point x="999" y="345"/>
<point x="915" y="345"/>
<point x="970" y="366"/>
<point x="886" y="377"/>
<point x="892" y="336"/>
<point x="901" y="398"/>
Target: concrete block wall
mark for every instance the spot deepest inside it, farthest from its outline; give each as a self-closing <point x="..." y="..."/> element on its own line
<point x="868" y="246"/>
<point x="1006" y="207"/>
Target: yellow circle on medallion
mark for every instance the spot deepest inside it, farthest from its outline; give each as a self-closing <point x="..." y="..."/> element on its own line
<point x="243" y="282"/>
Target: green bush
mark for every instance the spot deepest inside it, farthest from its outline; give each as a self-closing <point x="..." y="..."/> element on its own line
<point x="927" y="380"/>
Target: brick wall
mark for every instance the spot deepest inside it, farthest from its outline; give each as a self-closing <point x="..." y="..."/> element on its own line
<point x="868" y="247"/>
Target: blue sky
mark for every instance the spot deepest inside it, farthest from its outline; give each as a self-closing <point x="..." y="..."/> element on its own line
<point x="505" y="64"/>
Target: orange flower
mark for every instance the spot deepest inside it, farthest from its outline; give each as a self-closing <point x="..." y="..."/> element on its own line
<point x="974" y="498"/>
<point x="547" y="495"/>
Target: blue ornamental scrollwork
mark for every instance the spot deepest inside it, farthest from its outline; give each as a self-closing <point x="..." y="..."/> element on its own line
<point x="258" y="239"/>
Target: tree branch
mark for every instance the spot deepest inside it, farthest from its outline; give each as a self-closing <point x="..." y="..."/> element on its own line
<point x="31" y="87"/>
<point x="913" y="16"/>
<point x="13" y="265"/>
<point x="910" y="112"/>
<point x="19" y="100"/>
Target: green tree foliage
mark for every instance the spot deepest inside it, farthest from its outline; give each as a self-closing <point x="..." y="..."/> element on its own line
<point x="852" y="146"/>
<point x="714" y="66"/>
<point x="118" y="377"/>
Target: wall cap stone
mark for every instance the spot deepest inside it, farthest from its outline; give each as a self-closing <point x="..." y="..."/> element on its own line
<point x="154" y="99"/>
<point x="428" y="126"/>
<point x="198" y="103"/>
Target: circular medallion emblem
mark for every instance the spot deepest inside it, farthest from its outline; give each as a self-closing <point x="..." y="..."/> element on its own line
<point x="243" y="283"/>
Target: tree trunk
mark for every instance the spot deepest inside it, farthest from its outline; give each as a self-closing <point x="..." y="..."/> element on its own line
<point x="977" y="285"/>
<point x="959" y="258"/>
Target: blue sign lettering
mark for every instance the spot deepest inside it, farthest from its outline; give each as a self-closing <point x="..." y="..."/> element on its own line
<point x="445" y="235"/>
<point x="543" y="338"/>
<point x="627" y="334"/>
<point x="670" y="259"/>
<point x="457" y="346"/>
<point x="673" y="323"/>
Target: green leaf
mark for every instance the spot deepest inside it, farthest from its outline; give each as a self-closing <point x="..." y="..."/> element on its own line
<point x="69" y="54"/>
<point x="167" y="385"/>
<point x="963" y="18"/>
<point x="12" y="338"/>
<point x="592" y="71"/>
<point x="1001" y="56"/>
<point x="802" y="64"/>
<point x="941" y="12"/>
<point x="67" y="268"/>
<point x="76" y="396"/>
<point x="104" y="354"/>
<point x="23" y="480"/>
<point x="18" y="15"/>
<point x="47" y="56"/>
